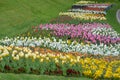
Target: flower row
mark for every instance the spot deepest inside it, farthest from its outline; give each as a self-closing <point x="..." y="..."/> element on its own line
<point x="93" y="4"/>
<point x="84" y="16"/>
<point x="94" y="9"/>
<point x="64" y="46"/>
<point x="88" y="26"/>
<point x="97" y="6"/>
<point x="85" y="2"/>
<point x="83" y="32"/>
<point x="105" y="6"/>
<point x="24" y="60"/>
<point x="87" y="11"/>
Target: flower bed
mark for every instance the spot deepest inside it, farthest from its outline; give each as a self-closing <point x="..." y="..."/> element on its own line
<point x="94" y="9"/>
<point x="105" y="6"/>
<point x="86" y="49"/>
<point x="87" y="10"/>
<point x="83" y="32"/>
<point x="19" y="59"/>
<point x="64" y="46"/>
<point x="84" y="16"/>
<point x="85" y="2"/>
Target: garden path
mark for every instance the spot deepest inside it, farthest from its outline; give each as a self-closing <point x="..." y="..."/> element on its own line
<point x="118" y="15"/>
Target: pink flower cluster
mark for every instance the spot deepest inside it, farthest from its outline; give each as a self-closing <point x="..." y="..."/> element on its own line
<point x="81" y="31"/>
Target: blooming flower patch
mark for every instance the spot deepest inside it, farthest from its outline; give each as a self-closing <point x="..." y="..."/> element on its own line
<point x="86" y="49"/>
<point x="84" y="16"/>
<point x="64" y="46"/>
<point x="23" y="59"/>
<point x="85" y="2"/>
<point x="105" y="6"/>
<point x="87" y="10"/>
<point x="84" y="32"/>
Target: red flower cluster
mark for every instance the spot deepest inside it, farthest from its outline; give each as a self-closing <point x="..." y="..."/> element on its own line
<point x="94" y="8"/>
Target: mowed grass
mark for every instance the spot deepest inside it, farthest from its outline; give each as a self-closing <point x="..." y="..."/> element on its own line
<point x="10" y="76"/>
<point x="16" y="16"/>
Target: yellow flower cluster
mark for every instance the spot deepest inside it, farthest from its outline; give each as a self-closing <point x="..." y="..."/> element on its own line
<point x="84" y="16"/>
<point x="85" y="2"/>
<point x="91" y="67"/>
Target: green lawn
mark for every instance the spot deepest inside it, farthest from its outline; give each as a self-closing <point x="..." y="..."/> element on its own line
<point x="16" y="16"/>
<point x="10" y="76"/>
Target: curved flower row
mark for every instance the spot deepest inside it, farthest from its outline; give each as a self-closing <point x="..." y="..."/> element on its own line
<point x="87" y="11"/>
<point x="82" y="32"/>
<point x="84" y="16"/>
<point x="65" y="46"/>
<point x="85" y="2"/>
<point x="86" y="26"/>
<point x="99" y="5"/>
<point x="89" y="7"/>
<point x="11" y="58"/>
<point x="81" y="6"/>
<point x="94" y="8"/>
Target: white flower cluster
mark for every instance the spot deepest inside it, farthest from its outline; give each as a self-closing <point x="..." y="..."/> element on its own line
<point x="98" y="6"/>
<point x="63" y="45"/>
<point x="105" y="32"/>
<point x="87" y="11"/>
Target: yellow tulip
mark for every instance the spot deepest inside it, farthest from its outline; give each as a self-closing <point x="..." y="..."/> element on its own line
<point x="41" y="60"/>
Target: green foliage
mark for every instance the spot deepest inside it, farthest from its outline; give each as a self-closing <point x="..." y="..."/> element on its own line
<point x="38" y="66"/>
